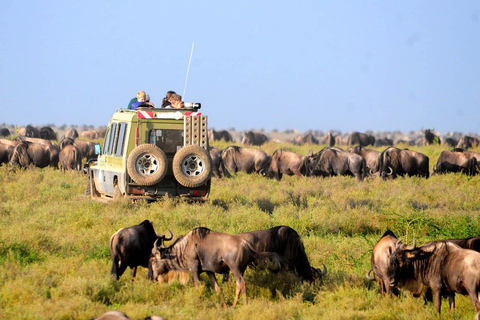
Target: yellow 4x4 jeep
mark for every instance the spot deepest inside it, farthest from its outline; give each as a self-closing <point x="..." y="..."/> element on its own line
<point x="148" y="153"/>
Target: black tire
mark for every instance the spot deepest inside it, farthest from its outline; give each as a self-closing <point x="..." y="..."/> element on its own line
<point x="192" y="166"/>
<point x="147" y="164"/>
<point x="87" y="189"/>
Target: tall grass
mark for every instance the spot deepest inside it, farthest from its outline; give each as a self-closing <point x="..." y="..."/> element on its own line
<point x="55" y="261"/>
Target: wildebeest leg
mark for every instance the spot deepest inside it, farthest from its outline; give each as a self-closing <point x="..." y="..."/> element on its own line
<point x="241" y="287"/>
<point x="225" y="277"/>
<point x="134" y="272"/>
<point x="438" y="300"/>
<point x="451" y="302"/>
<point x="474" y="297"/>
<point x="216" y="287"/>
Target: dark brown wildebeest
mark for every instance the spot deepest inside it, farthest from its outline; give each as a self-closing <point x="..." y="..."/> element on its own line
<point x="431" y="138"/>
<point x="237" y="159"/>
<point x="380" y="142"/>
<point x="87" y="148"/>
<point x="202" y="250"/>
<point x="131" y="247"/>
<point x="29" y="131"/>
<point x="451" y="142"/>
<point x="254" y="138"/>
<point x="455" y="161"/>
<point x="27" y="153"/>
<point x="219" y="135"/>
<point x="335" y="161"/>
<point x="442" y="266"/>
<point x="370" y="156"/>
<point x="6" y="152"/>
<point x="89" y="134"/>
<point x="286" y="162"/>
<point x="286" y="242"/>
<point x="70" y="156"/>
<point x="4" y="132"/>
<point x="361" y="139"/>
<point x="467" y="142"/>
<point x="72" y="133"/>
<point x="380" y="261"/>
<point x="305" y="138"/>
<point x="101" y="132"/>
<point x="47" y="133"/>
<point x="472" y="243"/>
<point x="217" y="163"/>
<point x="395" y="162"/>
<point x="329" y="140"/>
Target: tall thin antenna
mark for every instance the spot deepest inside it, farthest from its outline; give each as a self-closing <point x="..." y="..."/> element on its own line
<point x="188" y="69"/>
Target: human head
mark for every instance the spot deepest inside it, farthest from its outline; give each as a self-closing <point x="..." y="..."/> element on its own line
<point x="141" y="96"/>
<point x="165" y="100"/>
<point x="176" y="101"/>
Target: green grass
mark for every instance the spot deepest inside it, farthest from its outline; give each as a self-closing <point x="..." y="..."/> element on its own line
<point x="55" y="261"/>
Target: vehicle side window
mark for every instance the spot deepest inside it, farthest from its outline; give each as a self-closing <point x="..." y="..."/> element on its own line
<point x="121" y="139"/>
<point x="111" y="139"/>
<point x="107" y="140"/>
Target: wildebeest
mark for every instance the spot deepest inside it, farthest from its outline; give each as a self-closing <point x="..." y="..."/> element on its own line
<point x="131" y="247"/>
<point x="70" y="156"/>
<point x="334" y="161"/>
<point x="72" y="133"/>
<point x="395" y="162"/>
<point x="305" y="138"/>
<point x="117" y="315"/>
<point x="380" y="260"/>
<point x="455" y="161"/>
<point x="442" y="266"/>
<point x="87" y="148"/>
<point x="217" y="163"/>
<point x="89" y="134"/>
<point x="371" y="157"/>
<point x="286" y="242"/>
<point x="4" y="132"/>
<point x="451" y="142"/>
<point x="48" y="133"/>
<point x="237" y="159"/>
<point x="329" y="140"/>
<point x="29" y="131"/>
<point x="467" y="142"/>
<point x="361" y="139"/>
<point x="41" y="141"/>
<point x="28" y="153"/>
<point x="431" y="138"/>
<point x="214" y="135"/>
<point x="286" y="162"/>
<point x="203" y="250"/>
<point x="380" y="142"/>
<point x="472" y="243"/>
<point x="6" y="152"/>
<point x="254" y="138"/>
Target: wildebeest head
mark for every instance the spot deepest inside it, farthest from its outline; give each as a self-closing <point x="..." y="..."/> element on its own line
<point x="66" y="141"/>
<point x="157" y="265"/>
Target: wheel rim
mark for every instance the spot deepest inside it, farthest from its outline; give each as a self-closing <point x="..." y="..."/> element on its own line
<point x="147" y="165"/>
<point x="193" y="166"/>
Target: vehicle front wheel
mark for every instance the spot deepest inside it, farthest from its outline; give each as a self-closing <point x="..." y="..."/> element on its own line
<point x="192" y="166"/>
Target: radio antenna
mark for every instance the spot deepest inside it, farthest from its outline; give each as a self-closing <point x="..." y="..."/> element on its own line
<point x="188" y="69"/>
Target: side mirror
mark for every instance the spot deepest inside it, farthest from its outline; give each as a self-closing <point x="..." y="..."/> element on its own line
<point x="98" y="148"/>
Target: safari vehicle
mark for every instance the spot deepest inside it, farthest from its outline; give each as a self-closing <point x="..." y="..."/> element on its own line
<point x="149" y="153"/>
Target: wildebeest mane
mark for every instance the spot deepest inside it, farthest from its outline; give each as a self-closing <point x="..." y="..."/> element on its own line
<point x="388" y="233"/>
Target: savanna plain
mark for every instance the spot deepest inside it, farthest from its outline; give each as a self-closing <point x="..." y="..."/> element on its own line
<point x="55" y="261"/>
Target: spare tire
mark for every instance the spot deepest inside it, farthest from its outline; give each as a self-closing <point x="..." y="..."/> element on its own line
<point x="192" y="166"/>
<point x="147" y="164"/>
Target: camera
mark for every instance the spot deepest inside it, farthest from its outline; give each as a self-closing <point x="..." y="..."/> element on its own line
<point x="195" y="105"/>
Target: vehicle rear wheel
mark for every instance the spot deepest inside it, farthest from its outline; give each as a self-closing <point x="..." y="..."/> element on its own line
<point x="192" y="166"/>
<point x="147" y="164"/>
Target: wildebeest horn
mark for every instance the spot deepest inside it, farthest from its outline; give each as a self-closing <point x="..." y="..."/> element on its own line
<point x="155" y="246"/>
<point x="171" y="236"/>
<point x="369" y="277"/>
<point x="324" y="272"/>
<point x="391" y="171"/>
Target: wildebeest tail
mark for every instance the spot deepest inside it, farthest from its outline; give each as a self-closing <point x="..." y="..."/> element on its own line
<point x="279" y="260"/>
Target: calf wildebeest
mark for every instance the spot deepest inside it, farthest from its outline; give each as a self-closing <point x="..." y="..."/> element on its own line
<point x="305" y="138"/>
<point x="131" y="247"/>
<point x="442" y="266"/>
<point x="29" y="131"/>
<point x="286" y="162"/>
<point x="217" y="163"/>
<point x="4" y="132"/>
<point x="361" y="139"/>
<point x="431" y="138"/>
<point x="395" y="162"/>
<point x="455" y="161"/>
<point x="47" y="133"/>
<point x="329" y="140"/>
<point x="334" y="161"/>
<point x="28" y="153"/>
<point x="237" y="159"/>
<point x="467" y="142"/>
<point x="254" y="138"/>
<point x="203" y="250"/>
<point x="70" y="156"/>
<point x="370" y="156"/>
<point x="214" y="135"/>
<point x="286" y="242"/>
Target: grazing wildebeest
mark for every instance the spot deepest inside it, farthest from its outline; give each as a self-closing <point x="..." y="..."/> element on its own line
<point x="89" y="134"/>
<point x="217" y="163"/>
<point x="72" y="133"/>
<point x="29" y="131"/>
<point x="395" y="162"/>
<point x="431" y="138"/>
<point x="203" y="250"/>
<point x="455" y="161"/>
<point x="131" y="247"/>
<point x="237" y="159"/>
<point x="305" y="138"/>
<point x="329" y="140"/>
<point x="70" y="156"/>
<point x="334" y="161"/>
<point x="219" y="135"/>
<point x="254" y="138"/>
<point x="286" y="242"/>
<point x="442" y="266"/>
<point x="472" y="243"/>
<point x="4" y="132"/>
<point x="47" y="133"/>
<point x="28" y="153"/>
<point x="361" y="139"/>
<point x="467" y="142"/>
<point x="286" y="162"/>
<point x="370" y="156"/>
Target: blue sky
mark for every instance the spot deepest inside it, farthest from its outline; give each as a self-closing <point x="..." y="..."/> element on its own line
<point x="320" y="65"/>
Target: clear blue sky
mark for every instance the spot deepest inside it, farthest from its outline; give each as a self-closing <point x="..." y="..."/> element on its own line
<point x="321" y="65"/>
